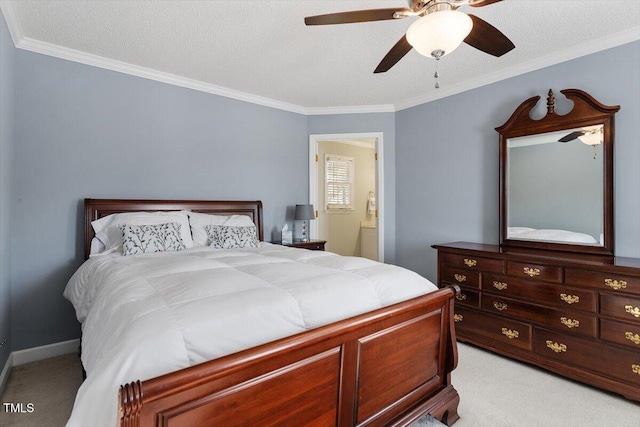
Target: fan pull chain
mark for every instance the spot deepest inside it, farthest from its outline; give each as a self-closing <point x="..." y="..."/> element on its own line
<point x="437" y="54"/>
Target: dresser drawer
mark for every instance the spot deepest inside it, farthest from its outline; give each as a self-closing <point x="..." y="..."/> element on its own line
<point x="539" y="293"/>
<point x="548" y="273"/>
<point x="468" y="298"/>
<point x="508" y="331"/>
<point x="622" y="333"/>
<point x="608" y="281"/>
<point x="621" y="307"/>
<point x="572" y="322"/>
<point x="461" y="277"/>
<point x="604" y="359"/>
<point x="475" y="263"/>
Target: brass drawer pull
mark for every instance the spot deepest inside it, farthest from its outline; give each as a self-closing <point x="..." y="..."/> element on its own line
<point x="616" y="285"/>
<point x="511" y="334"/>
<point x="470" y="262"/>
<point x="634" y="338"/>
<point x="558" y="348"/>
<point x="500" y="306"/>
<point x="461" y="297"/>
<point x="570" y="323"/>
<point x="634" y="311"/>
<point x="569" y="299"/>
<point x="457" y="318"/>
<point x="501" y="286"/>
<point x="531" y="272"/>
<point x="635" y="369"/>
<point x="460" y="277"/>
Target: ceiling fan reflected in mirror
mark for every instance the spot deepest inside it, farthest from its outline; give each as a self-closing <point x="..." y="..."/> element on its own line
<point x="440" y="29"/>
<point x="589" y="135"/>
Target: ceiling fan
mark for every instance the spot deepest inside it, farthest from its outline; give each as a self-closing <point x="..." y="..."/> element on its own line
<point x="588" y="135"/>
<point x="440" y="29"/>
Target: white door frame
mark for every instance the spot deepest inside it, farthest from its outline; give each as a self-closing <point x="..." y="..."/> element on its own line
<point x="313" y="177"/>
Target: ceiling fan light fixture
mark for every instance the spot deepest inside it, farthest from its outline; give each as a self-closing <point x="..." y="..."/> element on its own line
<point x="439" y="33"/>
<point x="591" y="138"/>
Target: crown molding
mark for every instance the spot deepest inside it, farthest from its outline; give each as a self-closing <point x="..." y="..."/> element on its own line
<point x="22" y="42"/>
<point x="49" y="49"/>
<point x="151" y="74"/>
<point x="355" y="109"/>
<point x="574" y="52"/>
<point x="12" y="21"/>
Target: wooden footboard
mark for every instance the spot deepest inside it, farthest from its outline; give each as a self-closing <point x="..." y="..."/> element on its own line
<point x="386" y="367"/>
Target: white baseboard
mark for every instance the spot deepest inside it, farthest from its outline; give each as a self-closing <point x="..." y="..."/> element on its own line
<point x="44" y="352"/>
<point x="35" y="354"/>
<point x="4" y="376"/>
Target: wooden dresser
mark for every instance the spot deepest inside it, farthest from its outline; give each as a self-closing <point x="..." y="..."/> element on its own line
<point x="574" y="314"/>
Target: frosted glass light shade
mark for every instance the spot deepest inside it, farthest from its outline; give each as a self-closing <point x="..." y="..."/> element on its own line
<point x="593" y="137"/>
<point x="444" y="30"/>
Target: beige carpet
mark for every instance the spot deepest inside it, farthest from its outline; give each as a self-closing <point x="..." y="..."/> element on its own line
<point x="499" y="392"/>
<point x="494" y="392"/>
<point x="50" y="385"/>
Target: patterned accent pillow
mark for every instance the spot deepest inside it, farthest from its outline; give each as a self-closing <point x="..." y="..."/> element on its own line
<point x="140" y="239"/>
<point x="232" y="237"/>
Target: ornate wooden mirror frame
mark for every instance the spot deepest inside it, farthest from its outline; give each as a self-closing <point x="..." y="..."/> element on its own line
<point x="586" y="112"/>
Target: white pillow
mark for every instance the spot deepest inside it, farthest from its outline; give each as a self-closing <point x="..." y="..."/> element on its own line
<point x="107" y="229"/>
<point x="512" y="231"/>
<point x="96" y="247"/>
<point x="199" y="221"/>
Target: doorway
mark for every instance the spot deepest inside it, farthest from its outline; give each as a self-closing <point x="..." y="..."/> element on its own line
<point x="357" y="228"/>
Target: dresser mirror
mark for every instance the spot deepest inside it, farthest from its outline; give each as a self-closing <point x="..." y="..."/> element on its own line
<point x="556" y="176"/>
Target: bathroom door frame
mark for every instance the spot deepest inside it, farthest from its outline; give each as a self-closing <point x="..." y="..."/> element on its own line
<point x="349" y="138"/>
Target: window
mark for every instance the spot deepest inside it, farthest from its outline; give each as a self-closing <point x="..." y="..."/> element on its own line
<point x="338" y="182"/>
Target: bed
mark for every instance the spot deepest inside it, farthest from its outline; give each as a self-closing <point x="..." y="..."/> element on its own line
<point x="551" y="235"/>
<point x="385" y="366"/>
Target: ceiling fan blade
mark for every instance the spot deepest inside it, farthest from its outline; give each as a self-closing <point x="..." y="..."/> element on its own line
<point x="354" y="16"/>
<point x="480" y="3"/>
<point x="397" y="52"/>
<point x="572" y="136"/>
<point x="487" y="38"/>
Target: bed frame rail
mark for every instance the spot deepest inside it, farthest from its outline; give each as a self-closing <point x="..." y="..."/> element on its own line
<point x="387" y="367"/>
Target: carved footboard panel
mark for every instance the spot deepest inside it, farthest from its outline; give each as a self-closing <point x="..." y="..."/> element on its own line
<point x="386" y="367"/>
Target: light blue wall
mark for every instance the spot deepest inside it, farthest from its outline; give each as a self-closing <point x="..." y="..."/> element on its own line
<point x="447" y="155"/>
<point x="366" y="123"/>
<point x="7" y="59"/>
<point x="80" y="131"/>
<point x="83" y="132"/>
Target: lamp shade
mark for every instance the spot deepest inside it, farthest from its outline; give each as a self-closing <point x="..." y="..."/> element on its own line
<point x="439" y="31"/>
<point x="304" y="212"/>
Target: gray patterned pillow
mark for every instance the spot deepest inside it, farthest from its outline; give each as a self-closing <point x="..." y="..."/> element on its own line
<point x="232" y="237"/>
<point x="139" y="239"/>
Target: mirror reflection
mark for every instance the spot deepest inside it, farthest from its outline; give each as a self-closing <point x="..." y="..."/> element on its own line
<point x="555" y="188"/>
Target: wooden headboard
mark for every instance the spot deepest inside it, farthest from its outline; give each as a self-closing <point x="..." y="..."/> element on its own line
<point x="97" y="208"/>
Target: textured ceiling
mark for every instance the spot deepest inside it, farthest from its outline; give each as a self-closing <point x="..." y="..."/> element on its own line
<point x="263" y="50"/>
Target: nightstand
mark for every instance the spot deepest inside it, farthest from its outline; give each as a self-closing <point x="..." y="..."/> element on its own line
<point x="314" y="245"/>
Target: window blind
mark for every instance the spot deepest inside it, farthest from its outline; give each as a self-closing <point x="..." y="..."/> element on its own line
<point x="339" y="182"/>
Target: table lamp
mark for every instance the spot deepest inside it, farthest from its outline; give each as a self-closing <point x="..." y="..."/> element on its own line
<point x="304" y="213"/>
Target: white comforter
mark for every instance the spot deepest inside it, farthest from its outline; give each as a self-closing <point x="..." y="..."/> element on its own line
<point x="552" y="235"/>
<point x="147" y="315"/>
